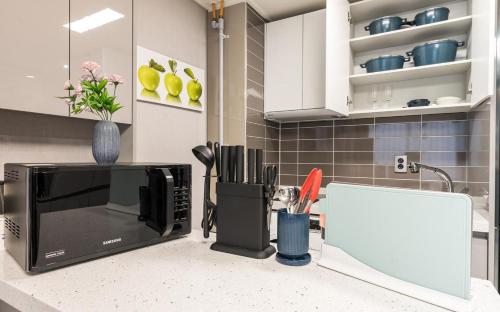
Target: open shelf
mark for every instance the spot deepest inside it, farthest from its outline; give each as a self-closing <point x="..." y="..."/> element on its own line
<point x="413" y="34"/>
<point x="406" y="111"/>
<point x="370" y="9"/>
<point x="411" y="73"/>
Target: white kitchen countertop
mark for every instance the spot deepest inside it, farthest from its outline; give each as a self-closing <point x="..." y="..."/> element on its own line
<point x="185" y="275"/>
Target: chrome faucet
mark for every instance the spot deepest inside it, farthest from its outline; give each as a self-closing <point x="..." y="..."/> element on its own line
<point x="415" y="168"/>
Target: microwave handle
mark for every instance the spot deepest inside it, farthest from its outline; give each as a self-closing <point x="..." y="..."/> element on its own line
<point x="169" y="200"/>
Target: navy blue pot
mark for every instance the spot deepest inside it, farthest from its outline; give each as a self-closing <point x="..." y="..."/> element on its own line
<point x="418" y="103"/>
<point x="435" y="52"/>
<point x="293" y="234"/>
<point x="385" y="24"/>
<point x="433" y="15"/>
<point x="385" y="62"/>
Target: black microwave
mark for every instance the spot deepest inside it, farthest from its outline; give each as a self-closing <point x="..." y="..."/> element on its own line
<point x="60" y="214"/>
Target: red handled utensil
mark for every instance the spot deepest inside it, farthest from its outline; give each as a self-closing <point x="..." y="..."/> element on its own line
<point x="305" y="190"/>
<point x="314" y="190"/>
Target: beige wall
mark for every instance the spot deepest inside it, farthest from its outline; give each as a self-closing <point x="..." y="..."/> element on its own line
<point x="31" y="137"/>
<point x="176" y="28"/>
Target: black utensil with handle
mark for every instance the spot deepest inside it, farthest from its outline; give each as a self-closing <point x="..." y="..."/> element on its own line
<point x="259" y="156"/>
<point x="224" y="163"/>
<point x="251" y="166"/>
<point x="240" y="163"/>
<point x="270" y="174"/>
<point x="205" y="155"/>
<point x="217" y="160"/>
<point x="232" y="164"/>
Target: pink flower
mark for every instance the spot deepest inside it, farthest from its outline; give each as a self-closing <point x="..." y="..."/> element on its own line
<point x="116" y="79"/>
<point x="86" y="77"/>
<point x="68" y="85"/>
<point x="78" y="90"/>
<point x="90" y="66"/>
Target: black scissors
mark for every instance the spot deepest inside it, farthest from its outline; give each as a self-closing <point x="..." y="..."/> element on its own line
<point x="270" y="173"/>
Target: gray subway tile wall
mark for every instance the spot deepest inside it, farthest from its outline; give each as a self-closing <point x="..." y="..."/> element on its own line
<point x="260" y="133"/>
<point x="362" y="151"/>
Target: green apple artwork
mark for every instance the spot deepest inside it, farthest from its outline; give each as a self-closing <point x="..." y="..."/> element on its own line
<point x="183" y="83"/>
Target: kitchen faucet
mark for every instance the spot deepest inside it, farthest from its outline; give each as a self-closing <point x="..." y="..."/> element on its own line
<point x="415" y="168"/>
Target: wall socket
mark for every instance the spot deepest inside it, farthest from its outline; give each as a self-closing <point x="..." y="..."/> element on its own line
<point x="401" y="164"/>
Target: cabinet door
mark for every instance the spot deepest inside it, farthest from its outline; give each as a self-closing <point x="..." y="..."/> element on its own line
<point x="107" y="41"/>
<point x="283" y="65"/>
<point x="338" y="56"/>
<point x="35" y="55"/>
<point x="313" y="60"/>
<point x="482" y="50"/>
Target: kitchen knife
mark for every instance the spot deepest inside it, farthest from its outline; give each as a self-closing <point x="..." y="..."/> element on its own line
<point x="232" y="164"/>
<point x="259" y="156"/>
<point x="240" y="163"/>
<point x="217" y="160"/>
<point x="224" y="163"/>
<point x="251" y="166"/>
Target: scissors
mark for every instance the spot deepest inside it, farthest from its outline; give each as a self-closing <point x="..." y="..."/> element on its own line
<point x="270" y="173"/>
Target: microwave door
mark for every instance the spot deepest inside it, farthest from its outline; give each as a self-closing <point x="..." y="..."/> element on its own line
<point x="157" y="201"/>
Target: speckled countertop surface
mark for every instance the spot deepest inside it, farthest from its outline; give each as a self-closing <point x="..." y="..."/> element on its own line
<point x="185" y="275"/>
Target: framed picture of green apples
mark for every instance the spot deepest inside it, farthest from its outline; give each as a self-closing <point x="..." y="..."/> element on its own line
<point x="167" y="81"/>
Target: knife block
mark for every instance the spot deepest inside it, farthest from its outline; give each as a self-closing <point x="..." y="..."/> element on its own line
<point x="242" y="220"/>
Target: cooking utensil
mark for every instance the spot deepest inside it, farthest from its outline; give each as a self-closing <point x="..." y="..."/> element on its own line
<point x="285" y="195"/>
<point x="385" y="24"/>
<point x="240" y="165"/>
<point x="385" y="62"/>
<point x="251" y="166"/>
<point x="294" y="199"/>
<point x="224" y="172"/>
<point x="433" y="15"/>
<point x="259" y="156"/>
<point x="217" y="160"/>
<point x="447" y="100"/>
<point x="418" y="103"/>
<point x="435" y="52"/>
<point x="270" y="173"/>
<point x="205" y="155"/>
<point x="304" y="191"/>
<point x="314" y="191"/>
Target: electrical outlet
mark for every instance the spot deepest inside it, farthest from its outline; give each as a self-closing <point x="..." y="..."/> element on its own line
<point x="401" y="164"/>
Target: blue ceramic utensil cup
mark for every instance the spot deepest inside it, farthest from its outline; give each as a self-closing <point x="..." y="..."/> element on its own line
<point x="293" y="238"/>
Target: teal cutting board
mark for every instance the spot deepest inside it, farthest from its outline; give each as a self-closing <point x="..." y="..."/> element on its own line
<point x="417" y="236"/>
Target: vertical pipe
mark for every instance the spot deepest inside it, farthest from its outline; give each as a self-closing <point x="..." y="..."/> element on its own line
<point x="221" y="80"/>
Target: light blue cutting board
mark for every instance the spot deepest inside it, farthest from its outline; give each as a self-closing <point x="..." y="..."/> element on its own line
<point x="417" y="236"/>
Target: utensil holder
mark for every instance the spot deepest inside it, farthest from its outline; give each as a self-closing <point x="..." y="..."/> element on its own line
<point x="242" y="220"/>
<point x="293" y="238"/>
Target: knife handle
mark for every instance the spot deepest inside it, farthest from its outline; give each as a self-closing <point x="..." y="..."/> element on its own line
<point x="251" y="166"/>
<point x="217" y="160"/>
<point x="232" y="164"/>
<point x="224" y="163"/>
<point x="259" y="157"/>
<point x="240" y="165"/>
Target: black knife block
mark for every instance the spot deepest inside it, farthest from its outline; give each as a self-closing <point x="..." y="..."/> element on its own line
<point x="242" y="220"/>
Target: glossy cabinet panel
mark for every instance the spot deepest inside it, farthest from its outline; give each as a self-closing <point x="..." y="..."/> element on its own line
<point x="109" y="44"/>
<point x="35" y="55"/>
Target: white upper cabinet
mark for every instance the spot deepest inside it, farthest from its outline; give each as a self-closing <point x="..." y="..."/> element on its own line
<point x="313" y="61"/>
<point x="338" y="56"/>
<point x="35" y="56"/>
<point x="295" y="74"/>
<point x="283" y="65"/>
<point x="482" y="50"/>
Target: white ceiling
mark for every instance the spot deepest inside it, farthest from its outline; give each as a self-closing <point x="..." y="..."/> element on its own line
<point x="276" y="9"/>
